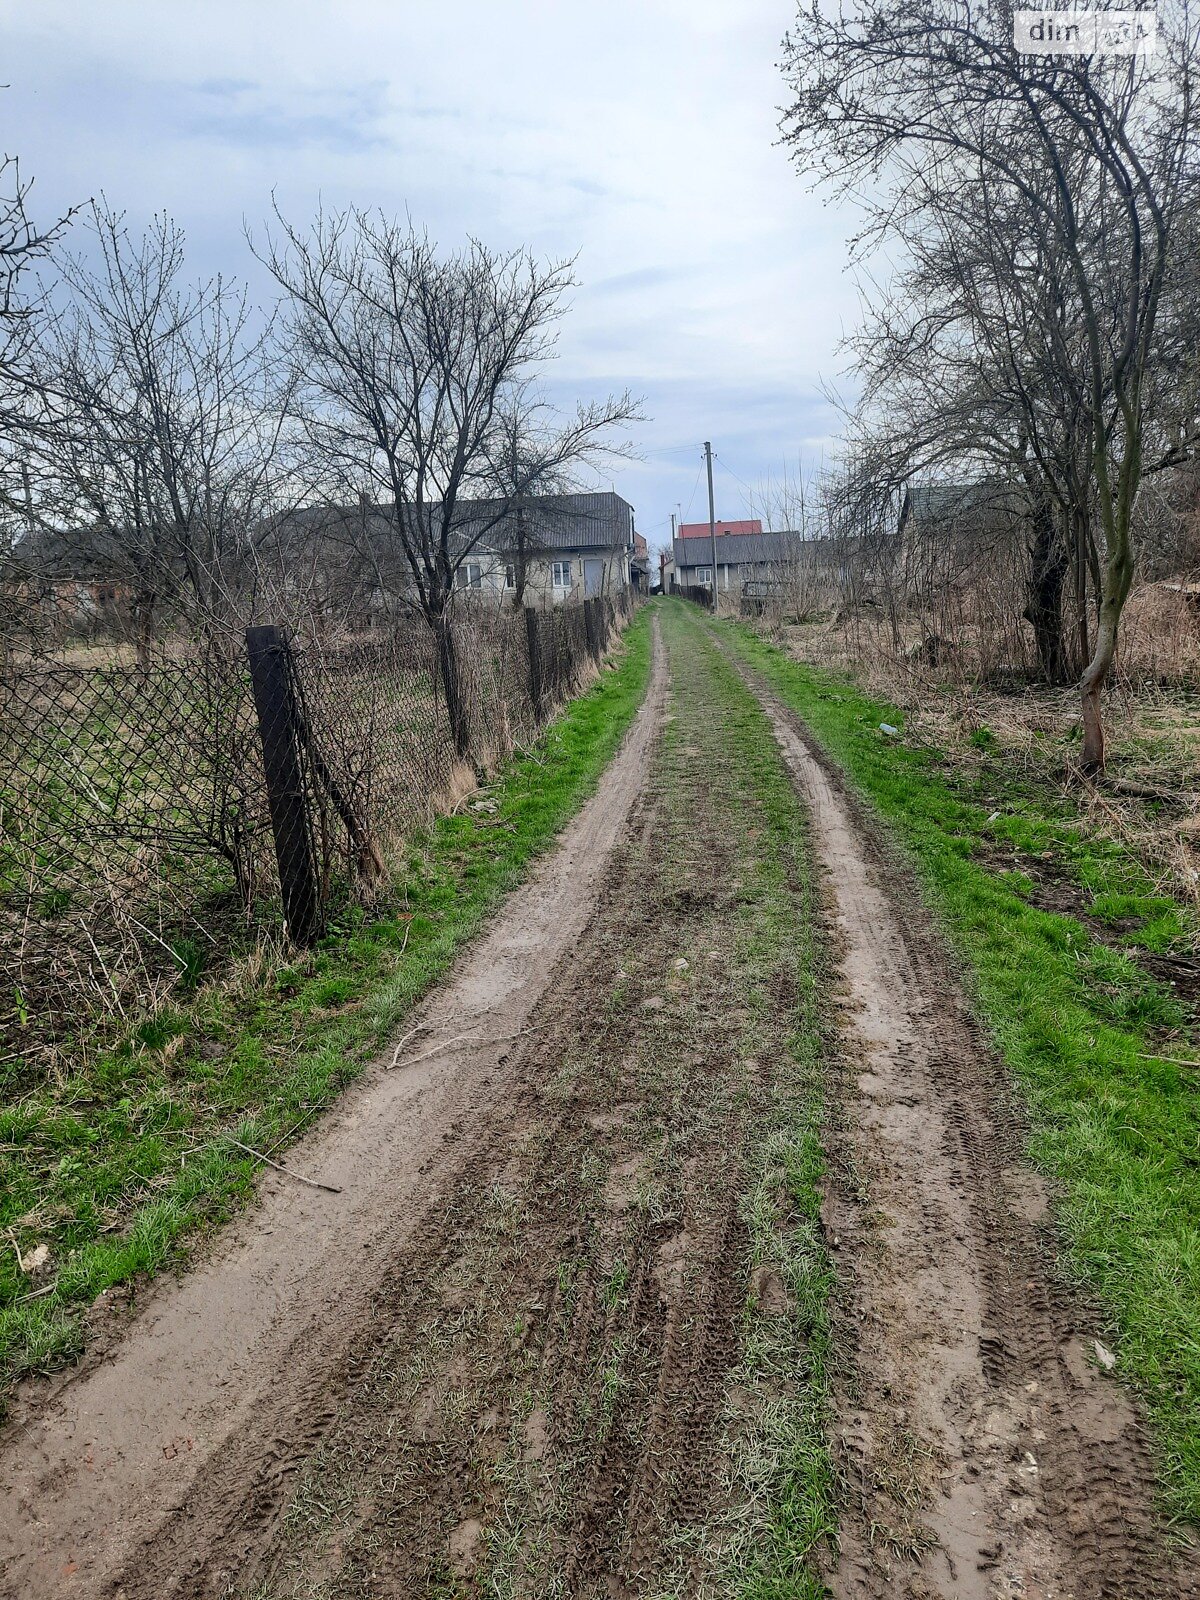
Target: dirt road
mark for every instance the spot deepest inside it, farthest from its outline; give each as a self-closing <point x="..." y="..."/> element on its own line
<point x="563" y="1329"/>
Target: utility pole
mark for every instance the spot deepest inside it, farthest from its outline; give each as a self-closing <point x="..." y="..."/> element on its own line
<point x="712" y="523"/>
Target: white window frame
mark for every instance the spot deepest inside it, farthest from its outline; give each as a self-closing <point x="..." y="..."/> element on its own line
<point x="704" y="577"/>
<point x="470" y="575"/>
<point x="560" y="574"/>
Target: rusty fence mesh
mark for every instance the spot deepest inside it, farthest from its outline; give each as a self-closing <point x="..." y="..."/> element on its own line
<point x="159" y="820"/>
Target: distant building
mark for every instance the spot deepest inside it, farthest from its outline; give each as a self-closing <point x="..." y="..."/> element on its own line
<point x="741" y="558"/>
<point x="949" y="533"/>
<point x="346" y="565"/>
<point x="639" y="565"/>
<point x="75" y="578"/>
<point x="700" y="530"/>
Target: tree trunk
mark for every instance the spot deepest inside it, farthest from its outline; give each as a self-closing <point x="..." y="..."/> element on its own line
<point x="1090" y="690"/>
<point x="1118" y="576"/>
<point x="143" y="609"/>
<point x="1079" y="532"/>
<point x="1047" y="579"/>
<point x="456" y="706"/>
<point x="520" y="566"/>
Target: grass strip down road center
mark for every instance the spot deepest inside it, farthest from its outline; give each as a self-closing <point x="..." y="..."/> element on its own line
<point x="1113" y="1123"/>
<point x="115" y="1165"/>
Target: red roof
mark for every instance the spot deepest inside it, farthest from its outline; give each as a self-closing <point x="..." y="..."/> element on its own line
<point x="696" y="530"/>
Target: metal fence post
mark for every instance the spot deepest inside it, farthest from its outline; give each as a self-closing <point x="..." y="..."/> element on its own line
<point x="268" y="653"/>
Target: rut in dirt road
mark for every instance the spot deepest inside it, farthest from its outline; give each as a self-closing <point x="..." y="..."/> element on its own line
<point x="986" y="1455"/>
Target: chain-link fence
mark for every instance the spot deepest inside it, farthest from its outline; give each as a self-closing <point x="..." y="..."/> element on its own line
<point x="157" y="820"/>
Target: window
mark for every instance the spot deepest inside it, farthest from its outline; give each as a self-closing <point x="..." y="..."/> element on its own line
<point x="470" y="575"/>
<point x="560" y="574"/>
<point x="704" y="576"/>
<point x="510" y="577"/>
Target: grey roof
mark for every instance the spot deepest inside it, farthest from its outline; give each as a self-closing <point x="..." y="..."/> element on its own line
<point x="570" y="522"/>
<point x="70" y="554"/>
<point x="600" y="521"/>
<point x="938" y="502"/>
<point x="758" y="549"/>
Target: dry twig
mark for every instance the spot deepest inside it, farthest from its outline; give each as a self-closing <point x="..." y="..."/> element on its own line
<point x="330" y="1188"/>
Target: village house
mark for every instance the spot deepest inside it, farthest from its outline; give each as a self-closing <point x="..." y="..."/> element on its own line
<point x="748" y="560"/>
<point x="565" y="547"/>
<point x="948" y="534"/>
<point x="345" y="565"/>
<point x="543" y="551"/>
<point x="71" y="578"/>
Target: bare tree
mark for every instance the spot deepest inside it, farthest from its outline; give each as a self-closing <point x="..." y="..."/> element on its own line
<point x="876" y="93"/>
<point x="22" y="244"/>
<point x="537" y="483"/>
<point x="416" y="369"/>
<point x="972" y="364"/>
<point x="162" y="422"/>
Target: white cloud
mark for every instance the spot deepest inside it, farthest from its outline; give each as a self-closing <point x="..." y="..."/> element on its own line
<point x="640" y="136"/>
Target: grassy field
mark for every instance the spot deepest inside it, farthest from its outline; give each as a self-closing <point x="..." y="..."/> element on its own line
<point x="113" y="1166"/>
<point x="1103" y="1051"/>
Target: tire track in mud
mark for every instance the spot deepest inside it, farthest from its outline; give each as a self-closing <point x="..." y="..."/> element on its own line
<point x="985" y="1456"/>
<point x="158" y="1468"/>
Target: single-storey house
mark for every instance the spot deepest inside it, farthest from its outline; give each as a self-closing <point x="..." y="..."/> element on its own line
<point x="544" y="550"/>
<point x="753" y="559"/>
<point x="73" y="577"/>
<point x="947" y="533"/>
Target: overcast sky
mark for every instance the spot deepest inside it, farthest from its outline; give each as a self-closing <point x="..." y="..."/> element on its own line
<point x="639" y="134"/>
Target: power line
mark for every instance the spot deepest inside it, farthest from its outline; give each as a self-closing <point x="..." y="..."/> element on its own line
<point x="669" y="449"/>
<point x="695" y="486"/>
<point x="727" y="468"/>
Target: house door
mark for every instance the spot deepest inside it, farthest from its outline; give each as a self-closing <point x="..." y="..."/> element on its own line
<point x="593" y="578"/>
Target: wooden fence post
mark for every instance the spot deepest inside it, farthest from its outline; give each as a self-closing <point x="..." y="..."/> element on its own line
<point x="590" y="629"/>
<point x="279" y="729"/>
<point x="537" y="672"/>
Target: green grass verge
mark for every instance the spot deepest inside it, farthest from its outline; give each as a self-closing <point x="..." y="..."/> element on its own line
<point x="1081" y="1025"/>
<point x="118" y="1165"/>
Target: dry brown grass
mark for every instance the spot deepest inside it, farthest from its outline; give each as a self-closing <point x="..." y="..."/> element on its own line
<point x="1148" y="799"/>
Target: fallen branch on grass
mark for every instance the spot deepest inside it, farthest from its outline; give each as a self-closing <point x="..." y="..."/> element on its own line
<point x="1148" y="791"/>
<point x="330" y="1188"/>
<point x="36" y="1294"/>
